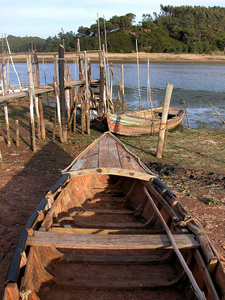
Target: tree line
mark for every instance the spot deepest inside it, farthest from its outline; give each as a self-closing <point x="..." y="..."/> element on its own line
<point x="177" y="29"/>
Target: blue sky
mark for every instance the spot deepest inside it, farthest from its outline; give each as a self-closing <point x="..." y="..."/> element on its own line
<point x="46" y="18"/>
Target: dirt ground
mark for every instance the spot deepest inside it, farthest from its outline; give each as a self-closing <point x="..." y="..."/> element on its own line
<point x="26" y="176"/>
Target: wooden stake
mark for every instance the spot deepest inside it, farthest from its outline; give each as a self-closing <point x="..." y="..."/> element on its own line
<point x="1" y="159"/>
<point x="17" y="133"/>
<point x="101" y="96"/>
<point x="186" y="114"/>
<point x="149" y="97"/>
<point x="7" y="124"/>
<point x="155" y="97"/>
<point x="139" y="90"/>
<point x="162" y="129"/>
<point x="58" y="107"/>
<point x="78" y="45"/>
<point x="31" y="100"/>
<point x="4" y="87"/>
<point x="87" y="96"/>
<point x="217" y="113"/>
<point x="62" y="93"/>
<point x="99" y="38"/>
<point x="122" y="83"/>
<point x="54" y="128"/>
<point x="38" y="118"/>
<point x="39" y="108"/>
<point x="82" y="110"/>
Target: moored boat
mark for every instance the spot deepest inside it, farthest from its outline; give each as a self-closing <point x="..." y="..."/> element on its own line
<point x="109" y="229"/>
<point x="143" y="122"/>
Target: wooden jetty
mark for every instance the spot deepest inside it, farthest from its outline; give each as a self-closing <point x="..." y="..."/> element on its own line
<point x="68" y="93"/>
<point x="110" y="229"/>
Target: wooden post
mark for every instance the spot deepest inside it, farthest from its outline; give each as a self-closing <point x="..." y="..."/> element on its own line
<point x="155" y="97"/>
<point x="99" y="37"/>
<point x="87" y="96"/>
<point x="4" y="90"/>
<point x="111" y="85"/>
<point x="78" y="45"/>
<point x="38" y="117"/>
<point x="1" y="159"/>
<point x="149" y="97"/>
<point x="7" y="123"/>
<point x="39" y="99"/>
<point x="101" y="96"/>
<point x="17" y="133"/>
<point x="217" y="113"/>
<point x="162" y="129"/>
<point x="31" y="100"/>
<point x="122" y="83"/>
<point x="186" y="114"/>
<point x="81" y="77"/>
<point x="139" y="90"/>
<point x="62" y="93"/>
<point x="58" y="107"/>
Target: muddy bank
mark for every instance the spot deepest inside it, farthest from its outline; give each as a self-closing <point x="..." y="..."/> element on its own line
<point x="132" y="57"/>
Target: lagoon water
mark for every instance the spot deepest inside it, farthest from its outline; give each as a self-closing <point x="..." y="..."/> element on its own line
<point x="196" y="83"/>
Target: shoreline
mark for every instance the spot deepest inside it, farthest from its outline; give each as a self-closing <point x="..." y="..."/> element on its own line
<point x="142" y="56"/>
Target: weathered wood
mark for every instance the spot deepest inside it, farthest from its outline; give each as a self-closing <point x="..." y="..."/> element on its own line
<point x="175" y="246"/>
<point x="90" y="241"/>
<point x="31" y="100"/>
<point x="58" y="107"/>
<point x="11" y="292"/>
<point x="1" y="159"/>
<point x="7" y="124"/>
<point x="104" y="231"/>
<point x="211" y="259"/>
<point x="186" y="113"/>
<point x="205" y="275"/>
<point x="62" y="93"/>
<point x="81" y="77"/>
<point x="101" y="96"/>
<point x="217" y="113"/>
<point x="87" y="96"/>
<point x="139" y="89"/>
<point x="38" y="118"/>
<point x="17" y="133"/>
<point x="163" y="123"/>
<point x="40" y="106"/>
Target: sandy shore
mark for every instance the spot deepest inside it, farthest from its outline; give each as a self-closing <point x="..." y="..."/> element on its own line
<point x="153" y="57"/>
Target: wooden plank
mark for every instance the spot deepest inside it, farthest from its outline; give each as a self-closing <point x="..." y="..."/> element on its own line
<point x="111" y="171"/>
<point x="104" y="231"/>
<point x="108" y="154"/>
<point x="90" y="159"/>
<point x="113" y="259"/>
<point x="127" y="161"/>
<point x="90" y="241"/>
<point x="129" y="284"/>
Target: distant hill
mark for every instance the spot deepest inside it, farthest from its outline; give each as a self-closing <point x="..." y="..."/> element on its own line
<point x="176" y="29"/>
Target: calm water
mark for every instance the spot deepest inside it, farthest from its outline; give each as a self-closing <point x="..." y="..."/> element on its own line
<point x="197" y="84"/>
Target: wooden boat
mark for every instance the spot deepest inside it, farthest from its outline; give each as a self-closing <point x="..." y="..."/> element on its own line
<point x="109" y="229"/>
<point x="143" y="122"/>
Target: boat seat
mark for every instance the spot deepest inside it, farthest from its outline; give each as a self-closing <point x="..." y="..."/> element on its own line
<point x="90" y="241"/>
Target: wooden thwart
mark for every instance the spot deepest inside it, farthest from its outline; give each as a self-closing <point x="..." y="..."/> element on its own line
<point x="90" y="241"/>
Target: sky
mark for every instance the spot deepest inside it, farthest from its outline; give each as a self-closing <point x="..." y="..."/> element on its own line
<point x="44" y="18"/>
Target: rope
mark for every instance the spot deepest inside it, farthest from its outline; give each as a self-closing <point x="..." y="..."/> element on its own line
<point x="25" y="295"/>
